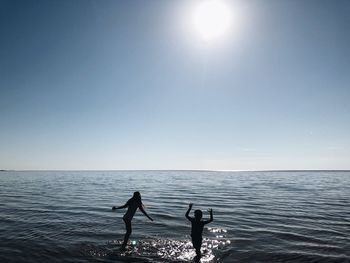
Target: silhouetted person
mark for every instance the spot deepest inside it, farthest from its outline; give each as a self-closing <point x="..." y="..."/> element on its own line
<point x="132" y="204"/>
<point x="197" y="228"/>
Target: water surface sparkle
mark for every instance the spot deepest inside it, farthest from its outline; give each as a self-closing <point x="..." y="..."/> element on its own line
<point x="258" y="216"/>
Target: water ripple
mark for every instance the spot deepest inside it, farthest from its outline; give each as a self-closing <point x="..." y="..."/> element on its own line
<point x="258" y="216"/>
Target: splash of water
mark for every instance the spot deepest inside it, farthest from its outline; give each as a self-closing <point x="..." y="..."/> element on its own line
<point x="159" y="249"/>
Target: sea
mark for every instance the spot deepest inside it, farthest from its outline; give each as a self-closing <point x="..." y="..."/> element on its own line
<point x="268" y="216"/>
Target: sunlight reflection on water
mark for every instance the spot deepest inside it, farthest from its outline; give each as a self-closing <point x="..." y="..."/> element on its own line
<point x="161" y="249"/>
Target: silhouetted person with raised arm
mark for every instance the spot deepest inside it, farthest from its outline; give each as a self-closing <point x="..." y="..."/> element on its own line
<point x="197" y="228"/>
<point x="132" y="204"/>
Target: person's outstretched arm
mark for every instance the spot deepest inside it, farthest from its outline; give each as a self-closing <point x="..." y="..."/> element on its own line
<point x="188" y="211"/>
<point x="211" y="217"/>
<point x="120" y="207"/>
<point x="144" y="212"/>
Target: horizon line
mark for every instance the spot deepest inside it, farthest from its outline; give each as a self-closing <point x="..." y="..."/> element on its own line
<point x="172" y="170"/>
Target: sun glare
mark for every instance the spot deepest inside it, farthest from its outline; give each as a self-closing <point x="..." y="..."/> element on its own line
<point x="211" y="19"/>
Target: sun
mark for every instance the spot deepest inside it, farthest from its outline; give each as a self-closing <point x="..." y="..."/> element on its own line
<point x="211" y="19"/>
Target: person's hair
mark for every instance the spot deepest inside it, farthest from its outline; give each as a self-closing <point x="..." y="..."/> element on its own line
<point x="137" y="197"/>
<point x="198" y="214"/>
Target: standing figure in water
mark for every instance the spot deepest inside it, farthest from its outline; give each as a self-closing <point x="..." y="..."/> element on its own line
<point x="197" y="228"/>
<point x="132" y="204"/>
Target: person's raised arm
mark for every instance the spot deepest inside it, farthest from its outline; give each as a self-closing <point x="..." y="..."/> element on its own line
<point x="211" y="216"/>
<point x="120" y="207"/>
<point x="144" y="212"/>
<point x="188" y="211"/>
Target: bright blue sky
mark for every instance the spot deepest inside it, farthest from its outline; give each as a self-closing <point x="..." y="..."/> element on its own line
<point x="129" y="85"/>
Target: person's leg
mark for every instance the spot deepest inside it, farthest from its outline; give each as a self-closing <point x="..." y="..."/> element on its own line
<point x="128" y="232"/>
<point x="197" y="244"/>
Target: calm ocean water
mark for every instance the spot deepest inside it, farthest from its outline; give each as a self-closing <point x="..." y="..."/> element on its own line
<point x="66" y="216"/>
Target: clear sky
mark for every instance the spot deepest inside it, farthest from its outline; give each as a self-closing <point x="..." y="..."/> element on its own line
<point x="131" y="85"/>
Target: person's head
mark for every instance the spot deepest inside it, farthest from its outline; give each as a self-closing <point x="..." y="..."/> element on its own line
<point x="198" y="215"/>
<point x="137" y="196"/>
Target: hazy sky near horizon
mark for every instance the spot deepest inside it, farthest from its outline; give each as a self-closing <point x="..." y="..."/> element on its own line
<point x="130" y="85"/>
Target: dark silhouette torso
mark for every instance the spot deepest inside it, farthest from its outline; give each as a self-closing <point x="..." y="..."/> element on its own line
<point x="132" y="207"/>
<point x="197" y="228"/>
